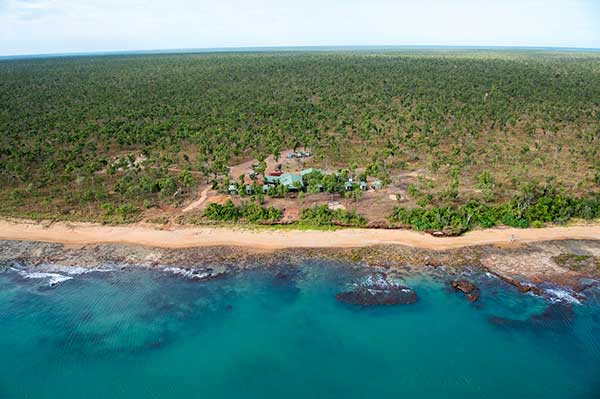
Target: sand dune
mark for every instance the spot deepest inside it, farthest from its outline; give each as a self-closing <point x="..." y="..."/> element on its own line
<point x="88" y="233"/>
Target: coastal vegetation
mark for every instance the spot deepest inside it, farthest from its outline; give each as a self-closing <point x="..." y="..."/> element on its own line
<point x="248" y="211"/>
<point x="115" y="138"/>
<point x="534" y="207"/>
<point x="323" y="216"/>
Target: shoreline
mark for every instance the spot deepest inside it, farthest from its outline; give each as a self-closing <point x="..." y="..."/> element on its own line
<point x="80" y="234"/>
<point x="568" y="256"/>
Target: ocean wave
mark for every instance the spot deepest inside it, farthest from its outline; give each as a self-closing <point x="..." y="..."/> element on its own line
<point x="491" y="276"/>
<point x="561" y="295"/>
<point x="54" y="279"/>
<point x="194" y="274"/>
<point x="72" y="270"/>
<point x="379" y="281"/>
<point x="55" y="274"/>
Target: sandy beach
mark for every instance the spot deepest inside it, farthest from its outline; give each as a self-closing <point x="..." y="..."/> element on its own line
<point x="264" y="239"/>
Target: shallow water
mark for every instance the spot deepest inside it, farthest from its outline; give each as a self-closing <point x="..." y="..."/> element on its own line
<point x="138" y="333"/>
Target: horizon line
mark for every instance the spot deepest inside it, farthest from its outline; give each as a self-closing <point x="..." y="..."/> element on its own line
<point x="283" y="48"/>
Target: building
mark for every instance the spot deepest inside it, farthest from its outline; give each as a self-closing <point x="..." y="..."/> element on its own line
<point x="232" y="189"/>
<point x="249" y="189"/>
<point x="377" y="185"/>
<point x="271" y="180"/>
<point x="265" y="188"/>
<point x="291" y="181"/>
<point x="309" y="171"/>
<point x="298" y="154"/>
<point x="348" y="186"/>
<point x="363" y="186"/>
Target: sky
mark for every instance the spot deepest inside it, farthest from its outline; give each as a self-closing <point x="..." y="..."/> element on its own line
<point x="62" y="26"/>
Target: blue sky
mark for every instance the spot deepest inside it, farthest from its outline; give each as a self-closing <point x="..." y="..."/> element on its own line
<point x="57" y="26"/>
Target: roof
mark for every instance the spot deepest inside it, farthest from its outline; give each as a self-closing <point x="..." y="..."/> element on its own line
<point x="232" y="187"/>
<point x="309" y="171"/>
<point x="291" y="180"/>
<point x="271" y="179"/>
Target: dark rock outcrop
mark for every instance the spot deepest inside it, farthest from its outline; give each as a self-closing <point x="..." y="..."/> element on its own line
<point x="466" y="287"/>
<point x="556" y="316"/>
<point x="378" y="290"/>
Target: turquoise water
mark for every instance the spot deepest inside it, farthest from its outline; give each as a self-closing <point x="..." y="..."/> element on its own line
<point x="138" y="333"/>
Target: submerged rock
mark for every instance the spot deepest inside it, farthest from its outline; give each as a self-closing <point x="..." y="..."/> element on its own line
<point x="286" y="276"/>
<point x="466" y="287"/>
<point x="378" y="290"/>
<point x="556" y="316"/>
<point x="285" y="281"/>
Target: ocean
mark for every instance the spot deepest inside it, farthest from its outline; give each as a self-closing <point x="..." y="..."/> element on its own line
<point x="131" y="332"/>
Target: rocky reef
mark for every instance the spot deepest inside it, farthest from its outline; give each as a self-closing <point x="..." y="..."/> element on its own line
<point x="556" y="316"/>
<point x="470" y="290"/>
<point x="572" y="263"/>
<point x="377" y="289"/>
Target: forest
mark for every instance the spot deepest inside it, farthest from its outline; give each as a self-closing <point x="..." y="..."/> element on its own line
<point x="107" y="138"/>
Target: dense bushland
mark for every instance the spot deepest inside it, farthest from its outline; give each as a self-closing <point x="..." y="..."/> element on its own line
<point x="534" y="207"/>
<point x="80" y="132"/>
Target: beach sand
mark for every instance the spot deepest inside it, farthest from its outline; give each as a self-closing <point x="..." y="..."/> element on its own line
<point x="264" y="239"/>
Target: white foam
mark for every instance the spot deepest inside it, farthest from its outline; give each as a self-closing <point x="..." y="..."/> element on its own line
<point x="379" y="282"/>
<point x="561" y="295"/>
<point x="53" y="278"/>
<point x="71" y="270"/>
<point x="187" y="273"/>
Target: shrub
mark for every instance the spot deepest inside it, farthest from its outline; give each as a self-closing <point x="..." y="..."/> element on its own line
<point x="119" y="214"/>
<point x="535" y="206"/>
<point x="223" y="213"/>
<point x="250" y="212"/>
<point x="321" y="215"/>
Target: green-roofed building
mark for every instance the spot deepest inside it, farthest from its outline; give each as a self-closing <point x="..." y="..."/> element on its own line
<point x="291" y="181"/>
<point x="309" y="171"/>
<point x="271" y="179"/>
